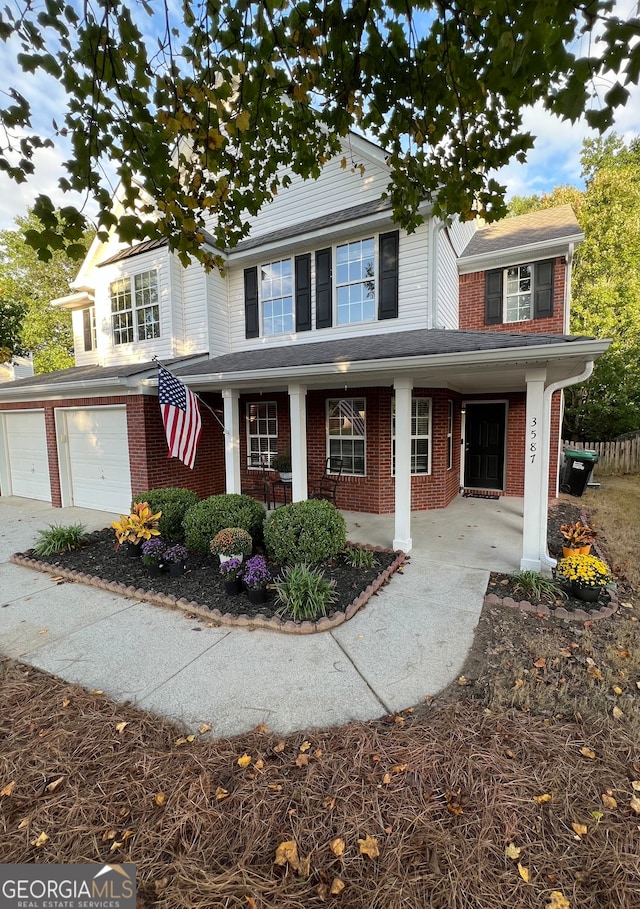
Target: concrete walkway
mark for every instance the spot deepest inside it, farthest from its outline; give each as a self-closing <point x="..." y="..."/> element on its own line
<point x="410" y="641"/>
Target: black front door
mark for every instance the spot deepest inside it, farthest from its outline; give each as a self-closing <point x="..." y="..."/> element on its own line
<point x="484" y="446"/>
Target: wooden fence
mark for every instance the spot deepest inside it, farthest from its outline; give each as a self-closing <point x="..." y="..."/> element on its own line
<point x="614" y="458"/>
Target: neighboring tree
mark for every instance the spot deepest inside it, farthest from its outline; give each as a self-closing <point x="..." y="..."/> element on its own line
<point x="606" y="287"/>
<point x="28" y="285"/>
<point x="199" y="106"/>
<point x="11" y="316"/>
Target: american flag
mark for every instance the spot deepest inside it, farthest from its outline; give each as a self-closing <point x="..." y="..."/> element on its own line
<point x="181" y="417"/>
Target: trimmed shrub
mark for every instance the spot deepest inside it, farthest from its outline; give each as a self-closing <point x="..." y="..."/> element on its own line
<point x="173" y="502"/>
<point x="205" y="519"/>
<point x="310" y="532"/>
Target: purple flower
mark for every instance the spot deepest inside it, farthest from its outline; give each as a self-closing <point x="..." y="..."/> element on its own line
<point x="153" y="551"/>
<point x="256" y="574"/>
<point x="231" y="569"/>
<point x="176" y="554"/>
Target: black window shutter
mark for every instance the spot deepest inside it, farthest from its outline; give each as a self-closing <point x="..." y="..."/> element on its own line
<point x="493" y="297"/>
<point x="324" y="302"/>
<point x="303" y="292"/>
<point x="543" y="289"/>
<point x="86" y="327"/>
<point x="251" y="315"/>
<point x="388" y="275"/>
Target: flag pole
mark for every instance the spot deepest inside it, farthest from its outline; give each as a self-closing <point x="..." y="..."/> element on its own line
<point x="155" y="359"/>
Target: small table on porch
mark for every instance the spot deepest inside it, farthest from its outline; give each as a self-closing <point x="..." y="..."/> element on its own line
<point x="285" y="486"/>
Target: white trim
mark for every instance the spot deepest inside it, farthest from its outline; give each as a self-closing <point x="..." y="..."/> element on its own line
<point x="230" y="401"/>
<point x="529" y="252"/>
<point x="536" y="462"/>
<point x="403" y="390"/>
<point x="298" y="415"/>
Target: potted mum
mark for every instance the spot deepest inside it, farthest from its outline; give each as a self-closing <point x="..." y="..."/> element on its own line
<point x="231" y="572"/>
<point x="153" y="551"/>
<point x="586" y="575"/>
<point x="133" y="529"/>
<point x="578" y="538"/>
<point x="176" y="557"/>
<point x="256" y="576"/>
<point x="231" y="543"/>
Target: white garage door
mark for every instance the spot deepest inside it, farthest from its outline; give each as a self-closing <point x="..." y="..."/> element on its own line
<point x="98" y="448"/>
<point x="27" y="451"/>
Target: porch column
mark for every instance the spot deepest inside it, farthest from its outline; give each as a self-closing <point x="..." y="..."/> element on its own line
<point x="230" y="397"/>
<point x="298" y="413"/>
<point x="536" y="464"/>
<point x="402" y="540"/>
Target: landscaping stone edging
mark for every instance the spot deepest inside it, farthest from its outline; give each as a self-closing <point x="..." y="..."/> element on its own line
<point x="578" y="615"/>
<point x="242" y="621"/>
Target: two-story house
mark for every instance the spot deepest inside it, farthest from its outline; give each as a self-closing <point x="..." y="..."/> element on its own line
<point x="432" y="363"/>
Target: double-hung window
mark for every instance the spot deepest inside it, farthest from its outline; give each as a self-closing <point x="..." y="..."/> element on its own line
<point x="356" y="282"/>
<point x="519" y="293"/>
<point x="262" y="433"/>
<point x="346" y="423"/>
<point x="277" y="297"/>
<point x="135" y="311"/>
<point x="420" y="435"/>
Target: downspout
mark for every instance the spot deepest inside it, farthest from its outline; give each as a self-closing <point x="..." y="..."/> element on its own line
<point x="567" y="287"/>
<point x="545" y="559"/>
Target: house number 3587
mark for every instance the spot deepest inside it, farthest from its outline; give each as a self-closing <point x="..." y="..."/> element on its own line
<point x="533" y="438"/>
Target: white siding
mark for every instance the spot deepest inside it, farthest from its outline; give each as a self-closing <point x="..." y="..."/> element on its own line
<point x="218" y="313"/>
<point x="447" y="284"/>
<point x="460" y="232"/>
<point x="412" y="297"/>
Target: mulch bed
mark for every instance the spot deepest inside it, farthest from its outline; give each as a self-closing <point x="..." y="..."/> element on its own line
<point x="202" y="586"/>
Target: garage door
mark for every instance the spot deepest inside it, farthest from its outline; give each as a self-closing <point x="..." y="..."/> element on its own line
<point x="98" y="458"/>
<point x="27" y="452"/>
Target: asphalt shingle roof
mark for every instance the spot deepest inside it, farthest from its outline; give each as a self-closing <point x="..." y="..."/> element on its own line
<point x="536" y="227"/>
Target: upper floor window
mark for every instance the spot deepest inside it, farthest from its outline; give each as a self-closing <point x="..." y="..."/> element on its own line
<point x="135" y="312"/>
<point x="262" y="433"/>
<point x="89" y="328"/>
<point x="356" y="282"/>
<point x="346" y="425"/>
<point x="519" y="293"/>
<point x="420" y="435"/>
<point x="277" y="297"/>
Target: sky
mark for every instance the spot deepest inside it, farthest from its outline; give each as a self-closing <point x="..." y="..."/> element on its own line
<point x="553" y="161"/>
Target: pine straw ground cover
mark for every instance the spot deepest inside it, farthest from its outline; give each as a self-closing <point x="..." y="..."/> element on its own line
<point x="518" y="787"/>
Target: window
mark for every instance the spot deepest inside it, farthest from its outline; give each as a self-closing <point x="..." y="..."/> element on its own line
<point x="89" y="328"/>
<point x="135" y="313"/>
<point x="518" y="293"/>
<point x="420" y="435"/>
<point x="355" y="282"/>
<point x="277" y="297"/>
<point x="346" y="420"/>
<point x="262" y="432"/>
<point x="450" y="436"/>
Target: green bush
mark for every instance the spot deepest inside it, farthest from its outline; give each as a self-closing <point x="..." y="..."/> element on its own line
<point x="59" y="538"/>
<point x="173" y="502"/>
<point x="304" y="592"/>
<point x="205" y="519"/>
<point x="308" y="532"/>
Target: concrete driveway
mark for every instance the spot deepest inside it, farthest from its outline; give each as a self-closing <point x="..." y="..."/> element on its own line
<point x="410" y="641"/>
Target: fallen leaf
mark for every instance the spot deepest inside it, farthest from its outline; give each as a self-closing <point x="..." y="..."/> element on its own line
<point x="160" y="799"/>
<point x="617" y="713"/>
<point x="337" y="886"/>
<point x="109" y="835"/>
<point x="579" y="829"/>
<point x="54" y="784"/>
<point x="337" y="846"/>
<point x="399" y="768"/>
<point x="369" y="846"/>
<point x="279" y="747"/>
<point x="251" y="902"/>
<point x="305" y="746"/>
<point x="523" y="872"/>
<point x="275" y="787"/>
<point x="8" y="789"/>
<point x="117" y="844"/>
<point x="66" y="702"/>
<point x="329" y="802"/>
<point x="302" y="760"/>
<point x="128" y="834"/>
<point x="608" y="801"/>
<point x="120" y="727"/>
<point x="244" y="761"/>
<point x="462" y="681"/>
<point x="598" y="815"/>
<point x="262" y="729"/>
<point x="221" y="793"/>
<point x="513" y="852"/>
<point x="635" y="785"/>
<point x="587" y="752"/>
<point x="206" y="727"/>
<point x="635" y="804"/>
<point x="386" y="779"/>
<point x="540" y="663"/>
<point x="180" y="741"/>
<point x="41" y="840"/>
<point x="191" y="738"/>
<point x="617" y="689"/>
<point x="43" y="631"/>
<point x="542" y="799"/>
<point x="287" y="852"/>
<point x="96" y="691"/>
<point x="24" y="823"/>
<point x="558" y="901"/>
<point x="518" y="683"/>
<point x="317" y="753"/>
<point x="322" y="891"/>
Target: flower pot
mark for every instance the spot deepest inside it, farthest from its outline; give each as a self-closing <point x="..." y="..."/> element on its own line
<point x="586" y="594"/>
<point x="575" y="550"/>
<point x="176" y="569"/>
<point x="257" y="595"/>
<point x="134" y="550"/>
<point x="225" y="558"/>
<point x="233" y="587"/>
<point x="154" y="571"/>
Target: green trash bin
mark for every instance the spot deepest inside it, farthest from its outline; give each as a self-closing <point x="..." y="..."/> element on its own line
<point x="578" y="464"/>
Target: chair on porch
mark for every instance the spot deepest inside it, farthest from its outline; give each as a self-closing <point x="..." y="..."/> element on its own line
<point x="257" y="482"/>
<point x="327" y="486"/>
